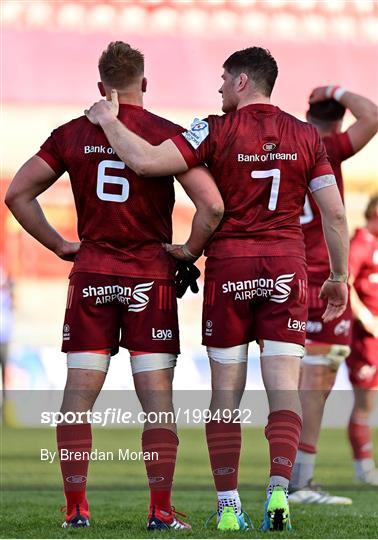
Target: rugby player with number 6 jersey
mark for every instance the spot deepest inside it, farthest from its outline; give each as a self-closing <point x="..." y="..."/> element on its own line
<point x="264" y="161"/>
<point x="327" y="344"/>
<point x="122" y="287"/>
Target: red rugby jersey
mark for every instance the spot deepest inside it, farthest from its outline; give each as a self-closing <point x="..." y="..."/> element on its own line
<point x="122" y="218"/>
<point x="339" y="148"/>
<point x="263" y="161"/>
<point x="363" y="267"/>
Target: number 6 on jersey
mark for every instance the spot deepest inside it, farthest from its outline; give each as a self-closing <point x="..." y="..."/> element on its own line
<point x="103" y="178"/>
<point x="275" y="174"/>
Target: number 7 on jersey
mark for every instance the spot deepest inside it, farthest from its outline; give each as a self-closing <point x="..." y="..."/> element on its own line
<point x="275" y="174"/>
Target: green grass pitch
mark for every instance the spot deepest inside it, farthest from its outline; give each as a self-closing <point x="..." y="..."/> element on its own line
<point x="32" y="495"/>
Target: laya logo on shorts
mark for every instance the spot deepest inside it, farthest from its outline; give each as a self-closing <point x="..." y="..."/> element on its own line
<point x="136" y="298"/>
<point x="298" y="326"/>
<point x="162" y="334"/>
<point x="276" y="290"/>
<point x="223" y="471"/>
<point x="281" y="460"/>
<point x="343" y="327"/>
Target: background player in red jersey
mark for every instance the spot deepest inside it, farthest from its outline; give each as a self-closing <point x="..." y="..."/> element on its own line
<point x="122" y="281"/>
<point x="363" y="360"/>
<point x="327" y="344"/>
<point x="263" y="160"/>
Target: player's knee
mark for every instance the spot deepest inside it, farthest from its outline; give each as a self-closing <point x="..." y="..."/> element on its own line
<point x="151" y="361"/>
<point x="280" y="348"/>
<point x="229" y="355"/>
<point x="94" y="361"/>
<point x="331" y="359"/>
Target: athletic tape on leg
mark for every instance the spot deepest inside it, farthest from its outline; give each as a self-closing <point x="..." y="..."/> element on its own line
<point x="88" y="360"/>
<point x="151" y="361"/>
<point x="281" y="348"/>
<point x="332" y="359"/>
<point x="229" y="355"/>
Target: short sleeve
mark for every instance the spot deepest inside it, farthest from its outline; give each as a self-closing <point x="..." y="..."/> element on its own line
<point x="195" y="144"/>
<point x="341" y="146"/>
<point x="321" y="175"/>
<point x="50" y="152"/>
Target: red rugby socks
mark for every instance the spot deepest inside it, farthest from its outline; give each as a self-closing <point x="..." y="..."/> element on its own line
<point x="161" y="465"/>
<point x="360" y="438"/>
<point x="283" y="431"/>
<point x="74" y="438"/>
<point x="224" y="444"/>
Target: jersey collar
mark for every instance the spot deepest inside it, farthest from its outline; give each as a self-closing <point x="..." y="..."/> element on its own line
<point x="126" y="106"/>
<point x="267" y="107"/>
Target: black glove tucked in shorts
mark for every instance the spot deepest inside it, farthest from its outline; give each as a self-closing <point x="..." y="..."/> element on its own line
<point x="186" y="276"/>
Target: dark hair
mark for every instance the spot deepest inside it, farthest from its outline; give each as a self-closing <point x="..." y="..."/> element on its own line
<point x="256" y="62"/>
<point x="120" y="65"/>
<point x="328" y="110"/>
<point x="371" y="207"/>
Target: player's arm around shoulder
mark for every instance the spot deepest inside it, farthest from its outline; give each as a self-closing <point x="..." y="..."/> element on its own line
<point x="142" y="157"/>
<point x="32" y="179"/>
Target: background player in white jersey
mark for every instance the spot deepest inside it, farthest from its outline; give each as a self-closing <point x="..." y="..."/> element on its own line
<point x="327" y="344"/>
<point x="263" y="161"/>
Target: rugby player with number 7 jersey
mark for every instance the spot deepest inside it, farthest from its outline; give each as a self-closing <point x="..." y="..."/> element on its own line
<point x="327" y="344"/>
<point x="264" y="161"/>
<point x="122" y="285"/>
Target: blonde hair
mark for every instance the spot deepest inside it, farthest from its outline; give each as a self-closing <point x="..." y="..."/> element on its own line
<point x="120" y="65"/>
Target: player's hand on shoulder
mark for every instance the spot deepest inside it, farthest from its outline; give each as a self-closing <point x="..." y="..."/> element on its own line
<point x="67" y="250"/>
<point x="103" y="111"/>
<point x="336" y="293"/>
<point x="318" y="94"/>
